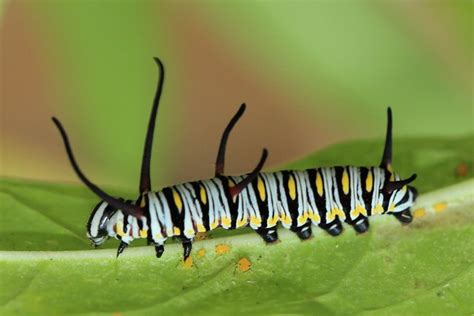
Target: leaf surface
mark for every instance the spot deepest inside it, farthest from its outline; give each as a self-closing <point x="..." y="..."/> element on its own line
<point x="47" y="266"/>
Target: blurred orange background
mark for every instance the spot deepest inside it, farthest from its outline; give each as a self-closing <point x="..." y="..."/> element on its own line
<point x="312" y="73"/>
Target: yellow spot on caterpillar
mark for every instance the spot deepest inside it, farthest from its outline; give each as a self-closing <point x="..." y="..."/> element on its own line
<point x="392" y="177"/>
<point x="301" y="220"/>
<point x="314" y="216"/>
<point x="345" y="182"/>
<point x="242" y="222"/>
<point x="214" y="224"/>
<point x="330" y="216"/>
<point x="158" y="236"/>
<point x="231" y="183"/>
<point x="201" y="228"/>
<point x="203" y="195"/>
<point x="255" y="220"/>
<point x="201" y="253"/>
<point x="359" y="210"/>
<point x="142" y="202"/>
<point x="226" y="222"/>
<point x="378" y="209"/>
<point x="389" y="168"/>
<point x="143" y="233"/>
<point x="286" y="219"/>
<point x="440" y="207"/>
<point x="369" y="182"/>
<point x="189" y="232"/>
<point x="222" y="249"/>
<point x="244" y="264"/>
<point x="176" y="231"/>
<point x="292" y="187"/>
<point x="391" y="207"/>
<point x="418" y="213"/>
<point x="120" y="231"/>
<point x="188" y="263"/>
<point x="177" y="200"/>
<point x="273" y="221"/>
<point x="319" y="184"/>
<point x="340" y="213"/>
<point x="261" y="189"/>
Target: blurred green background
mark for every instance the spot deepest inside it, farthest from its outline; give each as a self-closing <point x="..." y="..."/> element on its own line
<point x="312" y="73"/>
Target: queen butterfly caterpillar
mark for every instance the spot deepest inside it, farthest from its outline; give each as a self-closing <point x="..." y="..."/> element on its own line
<point x="322" y="197"/>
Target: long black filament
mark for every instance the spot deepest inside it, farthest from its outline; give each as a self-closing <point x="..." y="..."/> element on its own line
<point x="145" y="181"/>
<point x="235" y="190"/>
<point x="387" y="151"/>
<point x="220" y="160"/>
<point x="125" y="207"/>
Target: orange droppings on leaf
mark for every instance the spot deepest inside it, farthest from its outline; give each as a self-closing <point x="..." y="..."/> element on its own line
<point x="462" y="170"/>
<point x="188" y="263"/>
<point x="418" y="213"/>
<point x="201" y="253"/>
<point x="440" y="207"/>
<point x="222" y="249"/>
<point x="244" y="264"/>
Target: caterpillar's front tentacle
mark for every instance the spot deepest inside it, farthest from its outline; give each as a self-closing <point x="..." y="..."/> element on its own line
<point x="187" y="247"/>
<point x="404" y="217"/>
<point x="159" y="249"/>
<point x="269" y="235"/>
<point x="362" y="225"/>
<point x="121" y="247"/>
<point x="304" y="232"/>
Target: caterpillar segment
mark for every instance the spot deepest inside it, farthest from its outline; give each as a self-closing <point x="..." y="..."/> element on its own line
<point x="296" y="200"/>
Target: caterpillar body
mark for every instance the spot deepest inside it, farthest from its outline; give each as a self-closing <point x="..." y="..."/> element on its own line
<point x="297" y="200"/>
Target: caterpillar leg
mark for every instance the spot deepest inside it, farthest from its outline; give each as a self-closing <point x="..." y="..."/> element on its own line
<point x="121" y="248"/>
<point x="334" y="228"/>
<point x="269" y="235"/>
<point x="362" y="225"/>
<point x="404" y="217"/>
<point x="187" y="247"/>
<point x="159" y="249"/>
<point x="303" y="232"/>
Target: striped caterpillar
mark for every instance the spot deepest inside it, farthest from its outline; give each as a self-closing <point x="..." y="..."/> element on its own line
<point x="322" y="197"/>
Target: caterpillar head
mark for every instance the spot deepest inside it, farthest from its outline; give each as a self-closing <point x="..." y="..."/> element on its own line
<point x="102" y="222"/>
<point x="97" y="226"/>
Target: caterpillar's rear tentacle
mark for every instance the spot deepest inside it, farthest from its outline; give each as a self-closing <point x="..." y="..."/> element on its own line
<point x="397" y="185"/>
<point x="387" y="151"/>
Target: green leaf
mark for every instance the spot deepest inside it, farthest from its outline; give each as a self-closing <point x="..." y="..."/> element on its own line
<point x="46" y="265"/>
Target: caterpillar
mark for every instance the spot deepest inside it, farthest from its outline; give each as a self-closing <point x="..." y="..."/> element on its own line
<point x="298" y="200"/>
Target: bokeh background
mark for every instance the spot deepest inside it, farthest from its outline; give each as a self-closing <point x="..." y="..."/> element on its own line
<point x="312" y="73"/>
